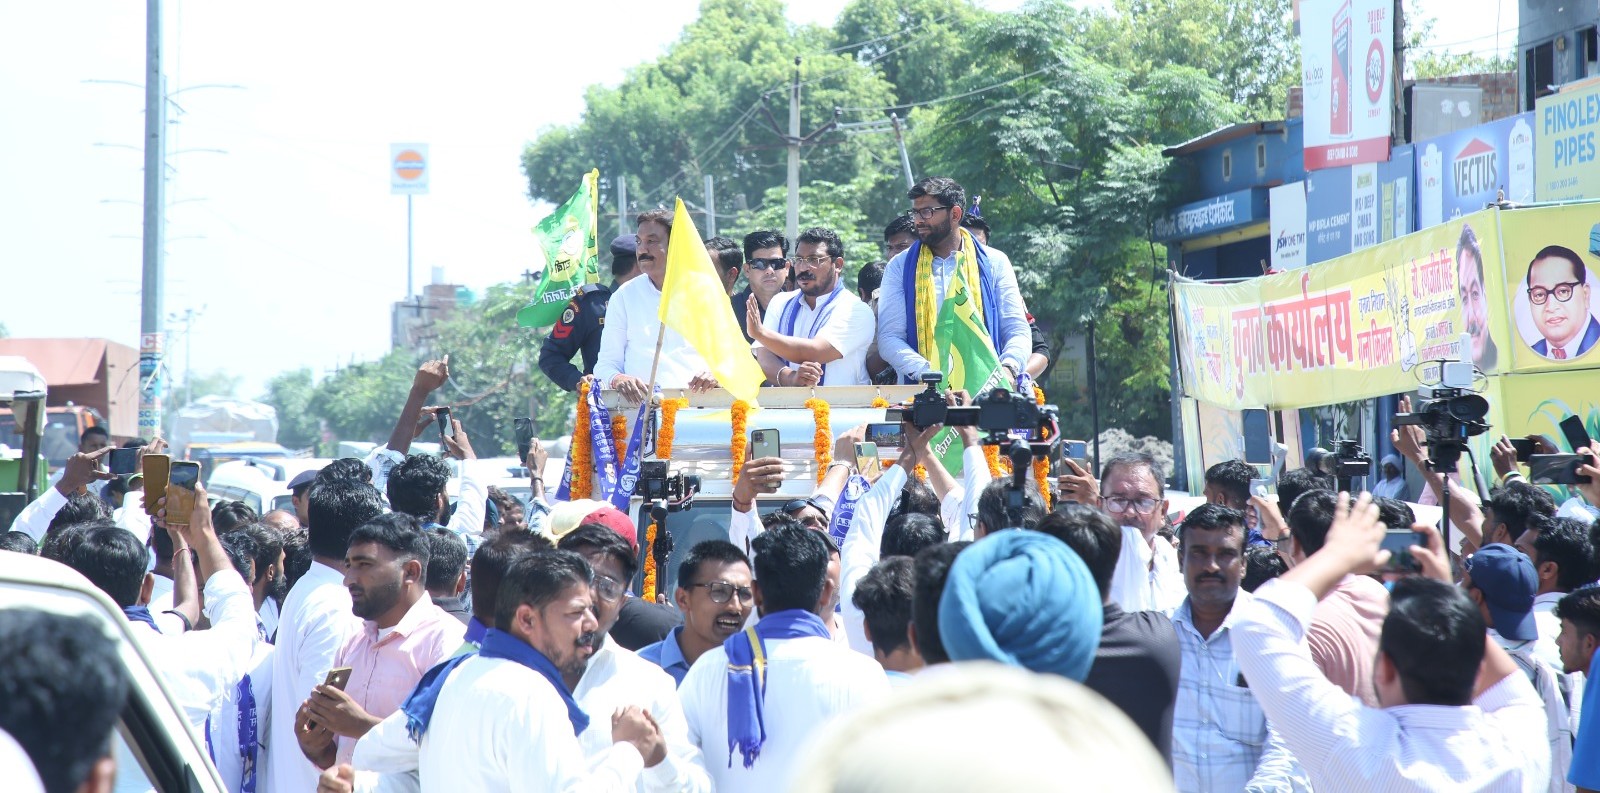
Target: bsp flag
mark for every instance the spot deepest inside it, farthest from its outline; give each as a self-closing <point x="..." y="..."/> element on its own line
<point x="694" y="304"/>
<point x="961" y="342"/>
<point x="568" y="254"/>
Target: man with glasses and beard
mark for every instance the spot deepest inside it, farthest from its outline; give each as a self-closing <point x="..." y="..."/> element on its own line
<point x="818" y="334"/>
<point x="916" y="283"/>
<point x="403" y="635"/>
<point x="715" y="597"/>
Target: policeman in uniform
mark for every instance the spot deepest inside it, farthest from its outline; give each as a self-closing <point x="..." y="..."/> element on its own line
<point x="580" y="325"/>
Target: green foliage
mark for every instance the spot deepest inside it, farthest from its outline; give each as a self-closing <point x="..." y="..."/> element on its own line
<point x="832" y="206"/>
<point x="290" y="394"/>
<point x="918" y="46"/>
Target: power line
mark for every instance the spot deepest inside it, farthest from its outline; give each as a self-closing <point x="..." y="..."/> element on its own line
<point x="876" y="39"/>
<point x="925" y="103"/>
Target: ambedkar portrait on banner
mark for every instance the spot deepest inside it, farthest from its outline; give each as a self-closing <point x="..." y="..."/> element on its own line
<point x="1557" y="315"/>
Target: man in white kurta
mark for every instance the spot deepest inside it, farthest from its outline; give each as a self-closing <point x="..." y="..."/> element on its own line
<point x="633" y="322"/>
<point x="819" y="333"/>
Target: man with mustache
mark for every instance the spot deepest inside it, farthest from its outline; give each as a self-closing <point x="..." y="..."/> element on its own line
<point x="403" y="635"/>
<point x="1558" y="289"/>
<point x="1474" y="306"/>
<point x="628" y="345"/>
<point x="1220" y="737"/>
<point x="818" y="334"/>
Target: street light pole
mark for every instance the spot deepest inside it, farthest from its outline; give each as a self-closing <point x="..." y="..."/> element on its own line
<point x="153" y="278"/>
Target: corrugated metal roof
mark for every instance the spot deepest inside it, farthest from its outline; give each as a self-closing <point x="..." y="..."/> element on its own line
<point x="1222" y="135"/>
<point x="63" y="362"/>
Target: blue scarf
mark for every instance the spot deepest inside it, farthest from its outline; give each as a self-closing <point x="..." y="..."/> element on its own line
<point x="140" y="614"/>
<point x="839" y="522"/>
<point x="747" y="676"/>
<point x="496" y="644"/>
<point x="791" y="317"/>
<point x="987" y="281"/>
<point x="632" y="461"/>
<point x="476" y="631"/>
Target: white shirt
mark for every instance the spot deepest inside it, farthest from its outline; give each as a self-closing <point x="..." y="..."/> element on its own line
<point x="1147" y="577"/>
<point x="617" y="677"/>
<point x="628" y="342"/>
<point x="315" y="622"/>
<point x="161" y="603"/>
<point x="268" y="614"/>
<point x="849" y="330"/>
<point x="1549" y="625"/>
<point x="497" y="726"/>
<point x="225" y="736"/>
<point x="199" y="666"/>
<point x="809" y="681"/>
<point x="131" y="515"/>
<point x="34" y="519"/>
<point x="1013" y="346"/>
<point x="1497" y="743"/>
<point x="861" y="549"/>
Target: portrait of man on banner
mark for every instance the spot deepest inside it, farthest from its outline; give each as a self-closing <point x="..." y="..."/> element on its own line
<point x="1474" y="305"/>
<point x="1558" y="300"/>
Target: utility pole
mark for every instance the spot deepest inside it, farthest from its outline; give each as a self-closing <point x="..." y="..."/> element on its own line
<point x="791" y="226"/>
<point x="891" y="124"/>
<point x="153" y="280"/>
<point x="905" y="159"/>
<point x="711" y="208"/>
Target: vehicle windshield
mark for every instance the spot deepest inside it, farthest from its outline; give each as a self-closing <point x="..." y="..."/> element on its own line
<point x="60" y="439"/>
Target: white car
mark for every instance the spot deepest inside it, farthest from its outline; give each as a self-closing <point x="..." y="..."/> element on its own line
<point x="261" y="484"/>
<point x="153" y="744"/>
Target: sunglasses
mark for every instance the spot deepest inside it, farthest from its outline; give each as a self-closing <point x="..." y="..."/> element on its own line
<point x="722" y="591"/>
<point x="768" y="264"/>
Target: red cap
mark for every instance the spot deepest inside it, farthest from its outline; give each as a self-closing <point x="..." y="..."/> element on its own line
<point x="614" y="519"/>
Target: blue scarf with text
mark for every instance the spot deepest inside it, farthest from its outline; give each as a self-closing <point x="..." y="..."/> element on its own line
<point x="141" y="614"/>
<point x="747" y="676"/>
<point x="496" y="644"/>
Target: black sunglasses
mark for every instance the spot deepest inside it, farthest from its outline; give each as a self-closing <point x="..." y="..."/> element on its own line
<point x="768" y="264"/>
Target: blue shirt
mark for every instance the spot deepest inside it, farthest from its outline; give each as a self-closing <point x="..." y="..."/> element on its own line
<point x="1585" y="769"/>
<point x="669" y="656"/>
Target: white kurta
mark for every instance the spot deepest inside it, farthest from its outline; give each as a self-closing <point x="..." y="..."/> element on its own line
<point x="850" y="329"/>
<point x="618" y="677"/>
<point x="225" y="737"/>
<point x="199" y="666"/>
<point x="315" y="622"/>
<point x="1147" y="576"/>
<point x="809" y="681"/>
<point x="628" y="342"/>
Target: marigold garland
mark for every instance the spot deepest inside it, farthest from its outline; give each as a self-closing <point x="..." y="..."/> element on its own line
<point x="1041" y="465"/>
<point x="822" y="439"/>
<point x="991" y="455"/>
<point x="669" y="426"/>
<point x="650" y="563"/>
<point x="582" y="457"/>
<point x="921" y="472"/>
<point x="740" y="441"/>
<point x="880" y="402"/>
<point x="619" y="434"/>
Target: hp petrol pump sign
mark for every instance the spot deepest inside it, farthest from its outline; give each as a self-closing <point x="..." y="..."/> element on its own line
<point x="408" y="168"/>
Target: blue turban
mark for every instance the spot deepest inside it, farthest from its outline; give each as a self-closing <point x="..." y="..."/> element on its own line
<point x="1025" y="599"/>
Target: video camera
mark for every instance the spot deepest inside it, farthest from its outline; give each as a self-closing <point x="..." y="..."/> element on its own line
<point x="997" y="413"/>
<point x="676" y="492"/>
<point x="1448" y="416"/>
<point x="1347" y="461"/>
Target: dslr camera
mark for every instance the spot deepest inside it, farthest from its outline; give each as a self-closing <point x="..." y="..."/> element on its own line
<point x="677" y="491"/>
<point x="997" y="412"/>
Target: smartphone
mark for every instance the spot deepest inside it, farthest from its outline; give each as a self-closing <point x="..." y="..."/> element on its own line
<point x="124" y="461"/>
<point x="867" y="460"/>
<point x="181" y="483"/>
<point x="156" y="468"/>
<point x="886" y="435"/>
<point x="1398" y="543"/>
<point x="446" y="429"/>
<point x="1257" y="428"/>
<point x="1577" y="436"/>
<point x="524" y="432"/>
<point x="338" y="677"/>
<point x="765" y="443"/>
<point x="1258" y="488"/>
<point x="1524" y="447"/>
<point x="1557" y="469"/>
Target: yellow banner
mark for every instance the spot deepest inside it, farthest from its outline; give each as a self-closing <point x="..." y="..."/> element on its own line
<point x="1550" y="261"/>
<point x="1363" y="325"/>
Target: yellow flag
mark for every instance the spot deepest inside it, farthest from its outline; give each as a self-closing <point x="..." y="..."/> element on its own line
<point x="694" y="304"/>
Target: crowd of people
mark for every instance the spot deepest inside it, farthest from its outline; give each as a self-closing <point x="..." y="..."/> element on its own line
<point x="955" y="633"/>
<point x="804" y="327"/>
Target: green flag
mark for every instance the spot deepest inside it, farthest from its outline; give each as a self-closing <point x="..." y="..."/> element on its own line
<point x="967" y="357"/>
<point x="567" y="252"/>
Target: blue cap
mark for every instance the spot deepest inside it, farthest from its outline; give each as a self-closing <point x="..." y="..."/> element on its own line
<point x="302" y="479"/>
<point x="1508" y="582"/>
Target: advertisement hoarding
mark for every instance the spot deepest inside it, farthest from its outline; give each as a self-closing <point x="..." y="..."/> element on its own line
<point x="1465" y="171"/>
<point x="1347" y="58"/>
<point x="1287" y="212"/>
<point x="1568" y="162"/>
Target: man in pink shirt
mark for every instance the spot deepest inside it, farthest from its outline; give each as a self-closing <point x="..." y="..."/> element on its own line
<point x="403" y="635"/>
<point x="1345" y="626"/>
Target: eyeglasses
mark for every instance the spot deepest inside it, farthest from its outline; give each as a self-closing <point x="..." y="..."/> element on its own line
<point x="924" y="213"/>
<point x="811" y="261"/>
<point x="721" y="591"/>
<point x="607" y="588"/>
<point x="768" y="264"/>
<point x="1539" y="295"/>
<point x="1142" y="506"/>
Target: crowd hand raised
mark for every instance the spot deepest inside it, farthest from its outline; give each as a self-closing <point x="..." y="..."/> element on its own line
<point x="538" y="455"/>
<point x="920" y="441"/>
<point x="426" y="419"/>
<point x="632" y="725"/>
<point x="701" y="382"/>
<point x="762" y="475"/>
<point x="1591" y="469"/>
<point x="1078" y="486"/>
<point x="631" y="388"/>
<point x="1408" y="440"/>
<point x="338" y="779"/>
<point x="1272" y="526"/>
<point x="459" y="445"/>
<point x="1356" y="535"/>
<point x="1504" y="457"/>
<point x="752" y="318"/>
<point x="82" y="470"/>
<point x="431" y="375"/>
<point x="960" y="398"/>
<point x="1430" y="553"/>
<point x="844" y="447"/>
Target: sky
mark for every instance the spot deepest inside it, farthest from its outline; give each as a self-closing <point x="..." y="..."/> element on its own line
<point x="283" y="237"/>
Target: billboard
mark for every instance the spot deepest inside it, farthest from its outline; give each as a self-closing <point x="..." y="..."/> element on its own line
<point x="1347" y="76"/>
<point x="1286" y="205"/>
<point x="1568" y="162"/>
<point x="1465" y="171"/>
<point x="1358" y="206"/>
<point x="1551" y="258"/>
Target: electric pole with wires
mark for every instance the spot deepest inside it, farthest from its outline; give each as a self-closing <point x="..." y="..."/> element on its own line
<point x="793" y="140"/>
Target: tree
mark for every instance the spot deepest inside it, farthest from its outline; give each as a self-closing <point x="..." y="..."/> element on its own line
<point x="290" y="394"/>
<point x="919" y="46"/>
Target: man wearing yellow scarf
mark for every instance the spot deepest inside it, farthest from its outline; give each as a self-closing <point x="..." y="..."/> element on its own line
<point x="916" y="282"/>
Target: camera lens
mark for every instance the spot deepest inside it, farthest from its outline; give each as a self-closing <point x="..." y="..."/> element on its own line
<point x="1468" y="407"/>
